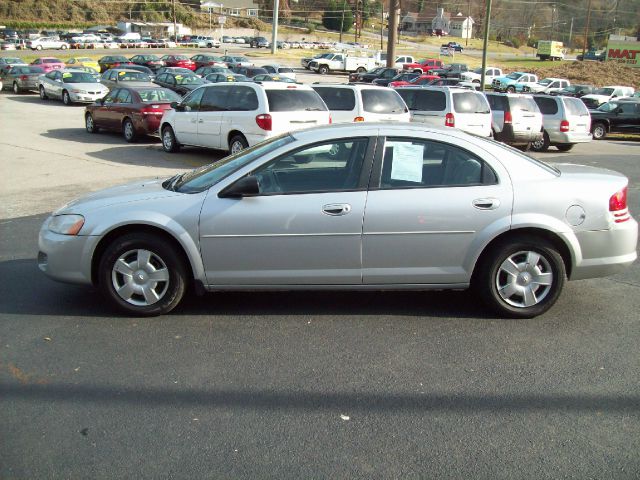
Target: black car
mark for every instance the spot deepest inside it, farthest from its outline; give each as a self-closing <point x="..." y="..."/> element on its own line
<point x="452" y="71"/>
<point x="249" y="72"/>
<point x="205" y="60"/>
<point x="443" y="82"/>
<point x="152" y="62"/>
<point x="376" y="73"/>
<point x="576" y="91"/>
<point x="401" y="77"/>
<point x="258" y="42"/>
<point x="178" y="82"/>
<point x="617" y="116"/>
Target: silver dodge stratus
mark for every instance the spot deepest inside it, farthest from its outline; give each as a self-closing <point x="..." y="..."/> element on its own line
<point x="350" y="207"/>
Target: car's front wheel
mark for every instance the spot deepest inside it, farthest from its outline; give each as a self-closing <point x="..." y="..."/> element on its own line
<point x="90" y="123"/>
<point x="169" y="142"/>
<point x="599" y="131"/>
<point x="511" y="89"/>
<point x="520" y="277"/>
<point x="142" y="274"/>
<point x="66" y="98"/>
<point x="43" y="94"/>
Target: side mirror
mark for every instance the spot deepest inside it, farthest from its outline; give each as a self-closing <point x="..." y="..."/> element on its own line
<point x="245" y="187"/>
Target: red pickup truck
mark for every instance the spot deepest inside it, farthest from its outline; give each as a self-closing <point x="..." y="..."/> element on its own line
<point x="423" y="66"/>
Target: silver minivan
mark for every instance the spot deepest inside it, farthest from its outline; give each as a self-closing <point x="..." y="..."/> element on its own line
<point x="516" y="119"/>
<point x="461" y="108"/>
<point x="566" y="121"/>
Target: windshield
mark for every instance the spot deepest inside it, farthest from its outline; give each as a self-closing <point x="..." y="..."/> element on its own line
<point x="604" y="91"/>
<point x="189" y="80"/>
<point x="50" y="60"/>
<point x="162" y="95"/>
<point x="118" y="59"/>
<point x="608" y="107"/>
<point x="205" y="177"/>
<point x="514" y="76"/>
<point x="78" y="77"/>
<point x="478" y="71"/>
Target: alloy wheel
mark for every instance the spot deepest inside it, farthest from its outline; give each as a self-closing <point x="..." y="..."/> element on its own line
<point x="140" y="277"/>
<point x="524" y="279"/>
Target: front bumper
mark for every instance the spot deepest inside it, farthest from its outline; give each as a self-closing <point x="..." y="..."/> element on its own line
<point x="65" y="258"/>
<point x="86" y="97"/>
<point x="619" y="243"/>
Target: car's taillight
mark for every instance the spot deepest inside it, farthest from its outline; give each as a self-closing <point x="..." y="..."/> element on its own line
<point x="564" y="126"/>
<point x="330" y="120"/>
<point x="507" y="117"/>
<point x="449" y="120"/>
<point x="152" y="110"/>
<point x="358" y="119"/>
<point x="264" y="121"/>
<point x="618" y="205"/>
<point x="24" y="78"/>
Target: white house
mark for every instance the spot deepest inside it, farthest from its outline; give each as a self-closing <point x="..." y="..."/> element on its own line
<point x="460" y="26"/>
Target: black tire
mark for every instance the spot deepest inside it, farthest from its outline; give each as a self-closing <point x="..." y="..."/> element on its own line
<point x="43" y="94"/>
<point x="130" y="287"/>
<point x="361" y="70"/>
<point x="565" y="147"/>
<point x="541" y="145"/>
<point x="66" y="99"/>
<point x="129" y="131"/>
<point x="531" y="259"/>
<point x="169" y="142"/>
<point x="90" y="124"/>
<point x="323" y="70"/>
<point x="599" y="131"/>
<point x="16" y="88"/>
<point x="237" y="144"/>
<point x="511" y="89"/>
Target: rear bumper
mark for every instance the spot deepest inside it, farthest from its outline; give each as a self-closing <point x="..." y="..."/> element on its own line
<point x="569" y="137"/>
<point x="619" y="243"/>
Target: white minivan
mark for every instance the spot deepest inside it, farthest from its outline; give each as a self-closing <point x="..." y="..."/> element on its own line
<point x="362" y="103"/>
<point x="233" y="116"/>
<point x="461" y="108"/>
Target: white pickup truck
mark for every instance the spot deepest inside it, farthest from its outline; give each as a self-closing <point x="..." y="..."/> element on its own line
<point x="381" y="60"/>
<point x="340" y="62"/>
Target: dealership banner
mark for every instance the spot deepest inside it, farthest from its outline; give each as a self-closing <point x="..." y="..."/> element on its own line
<point x="624" y="51"/>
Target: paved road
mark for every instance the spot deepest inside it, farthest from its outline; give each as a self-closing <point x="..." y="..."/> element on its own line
<point x="294" y="385"/>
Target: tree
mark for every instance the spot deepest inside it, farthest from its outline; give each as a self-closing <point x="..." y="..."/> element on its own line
<point x="332" y="17"/>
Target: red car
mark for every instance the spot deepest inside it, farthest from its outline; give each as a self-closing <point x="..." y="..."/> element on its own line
<point x="130" y="110"/>
<point x="421" y="80"/>
<point x="48" y="63"/>
<point x="423" y="65"/>
<point x="180" y="61"/>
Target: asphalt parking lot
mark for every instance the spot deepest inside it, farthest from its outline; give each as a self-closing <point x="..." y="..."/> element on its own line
<point x="294" y="385"/>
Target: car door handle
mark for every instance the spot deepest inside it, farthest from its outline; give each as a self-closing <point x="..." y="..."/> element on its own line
<point x="201" y="121"/>
<point x="486" y="203"/>
<point x="336" y="209"/>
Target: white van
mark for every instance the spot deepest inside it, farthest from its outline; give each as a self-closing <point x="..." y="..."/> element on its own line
<point x="566" y="121"/>
<point x="234" y="116"/>
<point x="456" y="107"/>
<point x="516" y="119"/>
<point x="362" y="103"/>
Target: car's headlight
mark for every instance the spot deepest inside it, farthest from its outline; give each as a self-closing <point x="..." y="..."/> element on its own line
<point x="75" y="90"/>
<point x="66" y="224"/>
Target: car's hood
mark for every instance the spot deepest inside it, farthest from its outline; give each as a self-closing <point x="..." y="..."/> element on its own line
<point x="132" y="192"/>
<point x="89" y="86"/>
<point x="600" y="98"/>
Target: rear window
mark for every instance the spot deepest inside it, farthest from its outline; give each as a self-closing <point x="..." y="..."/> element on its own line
<point x="51" y="60"/>
<point x="429" y="100"/>
<point x="338" y="99"/>
<point x="576" y="107"/>
<point x="158" y="95"/>
<point x="470" y="102"/>
<point x="285" y="70"/>
<point x="526" y="104"/>
<point x="382" y="101"/>
<point x="181" y="57"/>
<point x="294" y="100"/>
<point x="29" y="69"/>
<point x="497" y="102"/>
<point x="547" y="106"/>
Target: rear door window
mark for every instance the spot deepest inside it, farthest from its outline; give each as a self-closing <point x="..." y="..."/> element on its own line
<point x="426" y="100"/>
<point x="294" y="100"/>
<point x="339" y="99"/>
<point x="575" y="106"/>
<point x="525" y="104"/>
<point x="470" y="102"/>
<point x="243" y="99"/>
<point x="547" y="106"/>
<point x="382" y="101"/>
<point x="214" y="99"/>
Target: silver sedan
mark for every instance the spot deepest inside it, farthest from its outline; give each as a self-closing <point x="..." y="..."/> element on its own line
<point x="350" y="207"/>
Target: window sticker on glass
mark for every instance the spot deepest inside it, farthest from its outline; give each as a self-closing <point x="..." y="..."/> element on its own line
<point x="407" y="162"/>
<point x="122" y="74"/>
<point x="67" y="75"/>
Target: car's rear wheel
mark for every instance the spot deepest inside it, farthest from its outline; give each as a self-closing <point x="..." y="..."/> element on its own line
<point x="520" y="277"/>
<point x="39" y="47"/>
<point x="90" y="124"/>
<point x="43" y="94"/>
<point x="66" y="98"/>
<point x="169" y="142"/>
<point x="16" y="88"/>
<point x="565" y="147"/>
<point x="237" y="144"/>
<point x="129" y="131"/>
<point x="599" y="131"/>
<point x="541" y="145"/>
<point x="142" y="274"/>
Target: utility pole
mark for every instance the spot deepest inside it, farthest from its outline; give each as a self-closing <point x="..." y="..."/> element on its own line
<point x="175" y="28"/>
<point x="466" y="43"/>
<point x="570" y="33"/>
<point x="586" y="30"/>
<point x="274" y="31"/>
<point x="393" y="33"/>
<point x="342" y="21"/>
<point x="487" y="18"/>
<point x="381" y="25"/>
